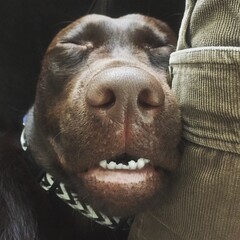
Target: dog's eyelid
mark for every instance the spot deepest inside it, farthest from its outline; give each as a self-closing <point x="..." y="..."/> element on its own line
<point x="163" y="45"/>
<point x="154" y="42"/>
<point x="153" y="46"/>
<point x="72" y="44"/>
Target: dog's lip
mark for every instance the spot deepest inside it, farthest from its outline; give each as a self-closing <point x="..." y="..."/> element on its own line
<point x="140" y="170"/>
<point x="119" y="177"/>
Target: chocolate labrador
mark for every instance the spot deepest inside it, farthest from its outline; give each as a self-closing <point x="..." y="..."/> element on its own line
<point x="105" y="125"/>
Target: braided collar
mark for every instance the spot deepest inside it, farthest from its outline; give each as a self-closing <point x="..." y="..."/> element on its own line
<point x="50" y="184"/>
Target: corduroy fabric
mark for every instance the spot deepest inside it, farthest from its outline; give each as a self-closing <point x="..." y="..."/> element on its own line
<point x="203" y="204"/>
<point x="210" y="23"/>
<point x="207" y="84"/>
<point x="203" y="201"/>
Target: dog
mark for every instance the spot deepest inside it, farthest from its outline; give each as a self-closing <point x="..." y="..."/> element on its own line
<point x="105" y="126"/>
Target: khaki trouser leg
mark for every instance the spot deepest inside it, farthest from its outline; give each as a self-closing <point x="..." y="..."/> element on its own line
<point x="204" y="200"/>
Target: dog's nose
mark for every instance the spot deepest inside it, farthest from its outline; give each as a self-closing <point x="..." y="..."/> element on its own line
<point x="119" y="90"/>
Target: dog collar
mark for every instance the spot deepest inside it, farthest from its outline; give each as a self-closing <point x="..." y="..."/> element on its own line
<point x="52" y="185"/>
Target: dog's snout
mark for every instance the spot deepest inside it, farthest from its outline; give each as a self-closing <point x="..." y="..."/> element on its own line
<point x="122" y="89"/>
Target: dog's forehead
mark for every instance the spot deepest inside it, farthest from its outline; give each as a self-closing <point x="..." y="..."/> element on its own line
<point x="104" y="28"/>
<point x="133" y="30"/>
<point x="121" y="22"/>
<point x="127" y="23"/>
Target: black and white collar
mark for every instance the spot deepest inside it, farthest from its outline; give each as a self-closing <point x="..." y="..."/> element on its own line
<point x="50" y="184"/>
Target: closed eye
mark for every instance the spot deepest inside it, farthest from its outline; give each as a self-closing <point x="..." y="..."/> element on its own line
<point x="153" y="45"/>
<point x="146" y="38"/>
<point x="74" y="44"/>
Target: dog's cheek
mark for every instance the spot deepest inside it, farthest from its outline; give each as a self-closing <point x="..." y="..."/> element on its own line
<point x="159" y="57"/>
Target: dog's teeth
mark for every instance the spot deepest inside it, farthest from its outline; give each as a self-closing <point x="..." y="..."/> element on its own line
<point x="119" y="166"/>
<point x="125" y="167"/>
<point x="111" y="165"/>
<point x="146" y="160"/>
<point x="132" y="165"/>
<point x="140" y="163"/>
<point x="103" y="164"/>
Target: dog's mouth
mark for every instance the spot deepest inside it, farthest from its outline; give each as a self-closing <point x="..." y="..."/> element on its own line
<point x="122" y="169"/>
<point x="124" y="162"/>
<point x="123" y="184"/>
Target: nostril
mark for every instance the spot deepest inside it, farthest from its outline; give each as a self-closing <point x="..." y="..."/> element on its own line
<point x="103" y="98"/>
<point x="149" y="98"/>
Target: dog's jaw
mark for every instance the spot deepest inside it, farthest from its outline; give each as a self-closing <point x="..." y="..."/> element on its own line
<point x="123" y="192"/>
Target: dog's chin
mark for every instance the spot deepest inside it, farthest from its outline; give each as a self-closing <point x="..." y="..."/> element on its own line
<point x="122" y="192"/>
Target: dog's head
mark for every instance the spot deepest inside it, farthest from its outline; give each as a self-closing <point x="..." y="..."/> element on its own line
<point x="105" y="121"/>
